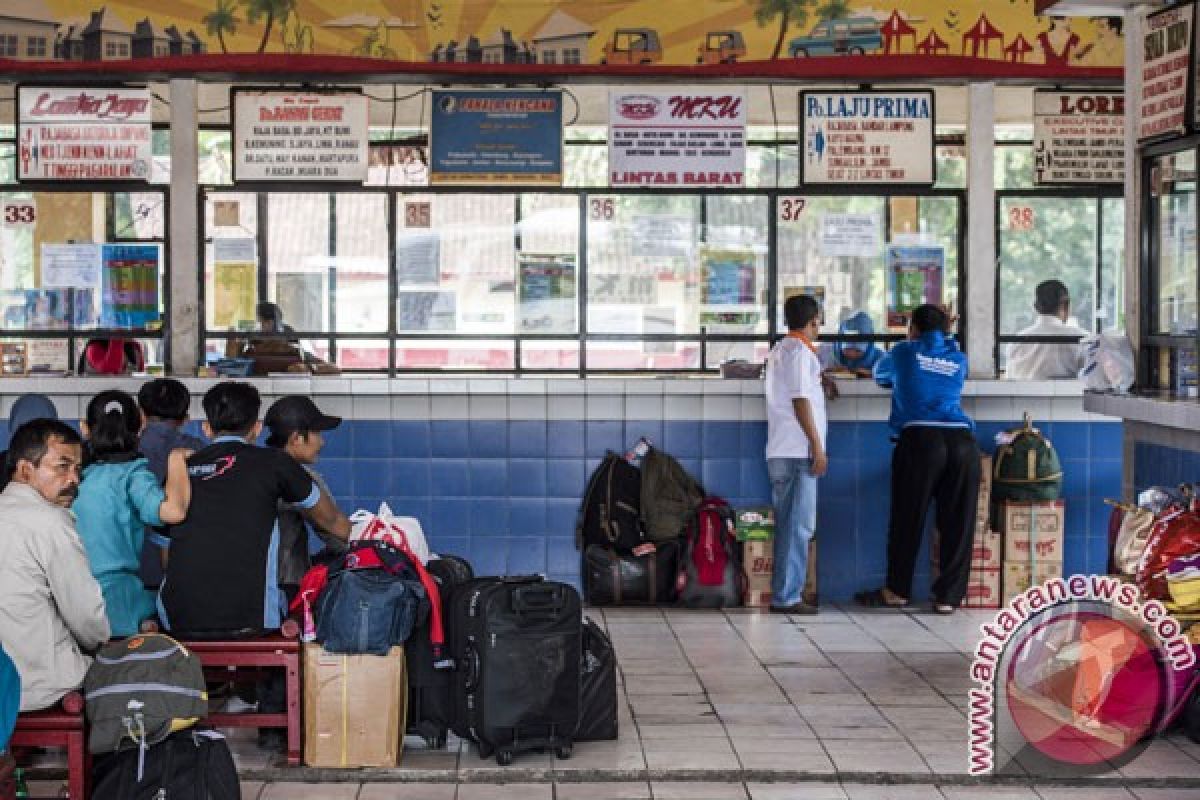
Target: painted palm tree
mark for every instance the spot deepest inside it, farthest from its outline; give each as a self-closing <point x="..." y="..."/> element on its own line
<point x="790" y="12"/>
<point x="221" y="21"/>
<point x="272" y="10"/>
<point x="834" y="9"/>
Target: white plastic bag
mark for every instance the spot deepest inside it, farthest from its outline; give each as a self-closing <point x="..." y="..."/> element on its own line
<point x="1108" y="363"/>
<point x="386" y="527"/>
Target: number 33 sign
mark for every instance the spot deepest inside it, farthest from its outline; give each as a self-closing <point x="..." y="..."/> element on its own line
<point x="18" y="213"/>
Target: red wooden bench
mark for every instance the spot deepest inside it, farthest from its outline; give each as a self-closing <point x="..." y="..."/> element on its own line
<point x="278" y="651"/>
<point x="60" y="726"/>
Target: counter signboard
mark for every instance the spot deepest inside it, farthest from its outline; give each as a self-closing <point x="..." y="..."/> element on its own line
<point x="83" y="134"/>
<point x="1078" y="137"/>
<point x="677" y="138"/>
<point x="503" y="136"/>
<point x="867" y="137"/>
<point x="1167" y="44"/>
<point x="299" y="136"/>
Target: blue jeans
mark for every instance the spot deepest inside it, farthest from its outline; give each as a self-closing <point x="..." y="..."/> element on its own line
<point x="794" y="495"/>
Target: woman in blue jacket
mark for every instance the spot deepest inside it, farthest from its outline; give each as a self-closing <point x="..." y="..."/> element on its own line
<point x="936" y="459"/>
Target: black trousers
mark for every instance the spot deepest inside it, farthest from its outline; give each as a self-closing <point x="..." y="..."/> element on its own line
<point x="939" y="465"/>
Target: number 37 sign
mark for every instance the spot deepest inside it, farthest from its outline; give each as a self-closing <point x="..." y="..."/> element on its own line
<point x="18" y="213"/>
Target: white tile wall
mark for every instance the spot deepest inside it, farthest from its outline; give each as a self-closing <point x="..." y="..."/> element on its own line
<point x="414" y="406"/>
<point x="995" y="409"/>
<point x="527" y="406"/>
<point x="486" y="406"/>
<point x="643" y="406"/>
<point x="754" y="409"/>
<point x="682" y="407"/>
<point x="372" y="406"/>
<point x="452" y="407"/>
<point x="605" y="406"/>
<point x="568" y="407"/>
<point x="720" y="407"/>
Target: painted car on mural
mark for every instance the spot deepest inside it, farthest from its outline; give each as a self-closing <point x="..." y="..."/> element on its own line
<point x="722" y="47"/>
<point x="633" y="46"/>
<point x="835" y="37"/>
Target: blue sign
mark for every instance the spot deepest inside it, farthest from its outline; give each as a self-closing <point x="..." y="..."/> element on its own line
<point x="512" y="137"/>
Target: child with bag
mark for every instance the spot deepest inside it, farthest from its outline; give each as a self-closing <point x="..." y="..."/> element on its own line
<point x="118" y="497"/>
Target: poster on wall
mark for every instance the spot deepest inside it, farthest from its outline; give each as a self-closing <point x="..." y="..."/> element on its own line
<point x="729" y="277"/>
<point x="418" y="256"/>
<point x="299" y="136"/>
<point x="83" y="134"/>
<point x="663" y="235"/>
<point x="66" y="266"/>
<point x="546" y="293"/>
<point x="235" y="283"/>
<point x="426" y="310"/>
<point x="498" y="136"/>
<point x="1166" y="62"/>
<point x="677" y="138"/>
<point x="867" y="137"/>
<point x="914" y="277"/>
<point x="1078" y="137"/>
<point x="129" y="295"/>
<point x="851" y="235"/>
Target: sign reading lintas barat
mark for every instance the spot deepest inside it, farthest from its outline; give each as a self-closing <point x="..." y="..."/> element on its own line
<point x="677" y="138"/>
<point x="1166" y="60"/>
<point x="299" y="136"/>
<point x="1078" y="137"/>
<point x="867" y="137"/>
<point x="83" y="134"/>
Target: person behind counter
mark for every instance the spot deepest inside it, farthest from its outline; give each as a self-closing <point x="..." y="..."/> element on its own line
<point x="1040" y="361"/>
<point x="858" y="358"/>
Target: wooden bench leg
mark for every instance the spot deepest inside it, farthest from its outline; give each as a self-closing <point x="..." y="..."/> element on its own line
<point x="293" y="711"/>
<point x="78" y="766"/>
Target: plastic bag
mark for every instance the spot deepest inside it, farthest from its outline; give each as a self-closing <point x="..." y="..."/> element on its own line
<point x="1176" y="534"/>
<point x="387" y="527"/>
<point x="1108" y="363"/>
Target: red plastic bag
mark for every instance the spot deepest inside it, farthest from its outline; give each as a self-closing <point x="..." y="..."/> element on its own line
<point x="1175" y="535"/>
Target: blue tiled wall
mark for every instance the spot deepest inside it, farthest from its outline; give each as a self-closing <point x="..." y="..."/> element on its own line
<point x="505" y="493"/>
<point x="1155" y="465"/>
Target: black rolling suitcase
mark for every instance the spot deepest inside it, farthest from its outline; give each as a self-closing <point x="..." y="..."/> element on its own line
<point x="431" y="691"/>
<point x="517" y="643"/>
<point x="598" y="706"/>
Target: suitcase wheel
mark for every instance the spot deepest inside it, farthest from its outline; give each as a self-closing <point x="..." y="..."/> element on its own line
<point x="563" y="751"/>
<point x="436" y="742"/>
<point x="504" y="757"/>
<point x="485" y="751"/>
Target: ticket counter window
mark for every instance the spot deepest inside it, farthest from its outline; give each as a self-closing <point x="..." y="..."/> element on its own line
<point x="1173" y="195"/>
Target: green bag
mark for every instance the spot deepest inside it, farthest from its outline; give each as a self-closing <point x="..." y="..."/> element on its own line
<point x="1026" y="469"/>
<point x="670" y="496"/>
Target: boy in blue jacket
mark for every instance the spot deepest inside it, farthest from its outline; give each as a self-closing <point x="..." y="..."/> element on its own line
<point x="936" y="459"/>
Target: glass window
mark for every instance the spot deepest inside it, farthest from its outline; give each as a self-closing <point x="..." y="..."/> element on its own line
<point x="548" y="57"/>
<point x="1111" y="311"/>
<point x="1173" y="193"/>
<point x="35" y="47"/>
<point x="8" y="45"/>
<point x="1014" y="166"/>
<point x="231" y="254"/>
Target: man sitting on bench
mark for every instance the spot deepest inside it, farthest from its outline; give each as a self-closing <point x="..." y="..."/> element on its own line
<point x="51" y="608"/>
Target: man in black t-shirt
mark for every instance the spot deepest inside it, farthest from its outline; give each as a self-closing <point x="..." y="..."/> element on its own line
<point x="221" y="575"/>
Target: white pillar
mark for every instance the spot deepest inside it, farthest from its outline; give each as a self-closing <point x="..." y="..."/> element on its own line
<point x="184" y="328"/>
<point x="980" y="303"/>
<point x="1134" y="27"/>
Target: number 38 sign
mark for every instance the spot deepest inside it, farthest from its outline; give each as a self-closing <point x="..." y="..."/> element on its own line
<point x="18" y="213"/>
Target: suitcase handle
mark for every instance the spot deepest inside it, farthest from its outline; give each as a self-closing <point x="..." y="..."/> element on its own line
<point x="537" y="598"/>
<point x="471" y="657"/>
<point x="521" y="580"/>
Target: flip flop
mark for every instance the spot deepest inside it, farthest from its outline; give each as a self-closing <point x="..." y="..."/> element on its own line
<point x="875" y="599"/>
<point x="944" y="608"/>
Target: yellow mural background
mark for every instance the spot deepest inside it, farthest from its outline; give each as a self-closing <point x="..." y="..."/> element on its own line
<point x="410" y="29"/>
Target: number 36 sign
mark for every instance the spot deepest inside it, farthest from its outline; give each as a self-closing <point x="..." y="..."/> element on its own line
<point x="18" y="213"/>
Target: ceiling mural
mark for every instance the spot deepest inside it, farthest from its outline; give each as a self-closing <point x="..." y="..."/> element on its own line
<point x="638" y="32"/>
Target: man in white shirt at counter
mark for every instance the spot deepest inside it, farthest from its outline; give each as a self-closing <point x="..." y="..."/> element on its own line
<point x="1039" y="361"/>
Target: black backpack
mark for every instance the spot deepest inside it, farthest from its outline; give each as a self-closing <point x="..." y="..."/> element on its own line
<point x="189" y="765"/>
<point x="611" y="512"/>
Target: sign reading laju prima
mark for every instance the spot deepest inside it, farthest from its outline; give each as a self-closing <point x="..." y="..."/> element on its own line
<point x="677" y="139"/>
<point x="501" y="136"/>
<point x="83" y="134"/>
<point x="1166" y="60"/>
<point x="1078" y="137"/>
<point x="299" y="136"/>
<point x="867" y="137"/>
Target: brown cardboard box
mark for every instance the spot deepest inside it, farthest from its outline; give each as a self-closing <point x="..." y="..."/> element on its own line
<point x="983" y="589"/>
<point x="1017" y="576"/>
<point x="353" y="708"/>
<point x="758" y="560"/>
<point x="1046" y="520"/>
<point x="986" y="551"/>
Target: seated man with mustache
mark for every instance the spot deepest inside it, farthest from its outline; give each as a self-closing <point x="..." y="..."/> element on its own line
<point x="51" y="608"/>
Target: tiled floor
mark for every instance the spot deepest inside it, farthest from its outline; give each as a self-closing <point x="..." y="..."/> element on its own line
<point x="737" y="704"/>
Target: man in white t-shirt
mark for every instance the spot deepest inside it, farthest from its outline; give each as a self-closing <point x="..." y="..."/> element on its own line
<point x="1042" y="361"/>
<point x="795" y="449"/>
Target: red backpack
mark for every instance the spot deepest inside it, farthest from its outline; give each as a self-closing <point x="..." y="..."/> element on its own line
<point x="710" y="571"/>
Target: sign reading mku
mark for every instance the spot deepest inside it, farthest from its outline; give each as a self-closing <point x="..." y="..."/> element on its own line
<point x="83" y="134"/>
<point x="1078" y="137"/>
<point x="677" y="139"/>
<point x="294" y="136"/>
<point x="1165" y="64"/>
<point x="867" y="137"/>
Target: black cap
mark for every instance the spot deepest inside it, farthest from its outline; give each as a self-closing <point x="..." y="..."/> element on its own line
<point x="293" y="413"/>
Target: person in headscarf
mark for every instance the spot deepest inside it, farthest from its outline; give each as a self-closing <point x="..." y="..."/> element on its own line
<point x="26" y="407"/>
<point x="857" y="357"/>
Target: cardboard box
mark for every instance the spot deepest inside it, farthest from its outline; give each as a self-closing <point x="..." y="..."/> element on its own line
<point x="983" y="589"/>
<point x="353" y="708"/>
<point x="755" y="524"/>
<point x="986" y="551"/>
<point x="1017" y="576"/>
<point x="1033" y="532"/>
<point x="758" y="562"/>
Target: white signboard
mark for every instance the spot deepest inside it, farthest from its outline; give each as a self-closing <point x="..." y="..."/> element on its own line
<point x="677" y="138"/>
<point x="851" y="235"/>
<point x="867" y="137"/>
<point x="297" y="136"/>
<point x="83" y="134"/>
<point x="70" y="266"/>
<point x="1078" y="137"/>
<point x="1166" y="61"/>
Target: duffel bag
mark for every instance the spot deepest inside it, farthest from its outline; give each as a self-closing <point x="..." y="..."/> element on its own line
<point x="190" y="765"/>
<point x="613" y="579"/>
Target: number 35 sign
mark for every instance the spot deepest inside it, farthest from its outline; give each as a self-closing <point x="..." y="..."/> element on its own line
<point x="18" y="213"/>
